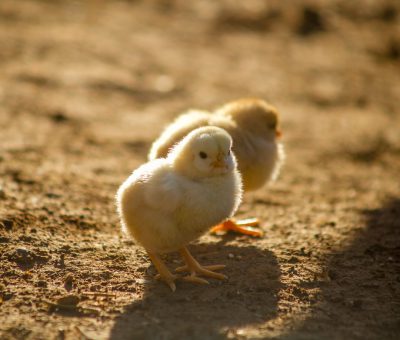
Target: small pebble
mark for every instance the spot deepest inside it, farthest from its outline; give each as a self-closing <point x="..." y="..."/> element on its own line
<point x="68" y="300"/>
<point x="42" y="283"/>
<point x="141" y="281"/>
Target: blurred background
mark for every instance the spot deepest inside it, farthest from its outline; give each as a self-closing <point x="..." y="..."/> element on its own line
<point x="129" y="62"/>
<point x="86" y="86"/>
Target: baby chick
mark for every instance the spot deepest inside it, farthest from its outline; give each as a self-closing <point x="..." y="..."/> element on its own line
<point x="169" y="202"/>
<point x="254" y="127"/>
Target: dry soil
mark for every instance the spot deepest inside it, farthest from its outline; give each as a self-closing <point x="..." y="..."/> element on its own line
<point x="86" y="86"/>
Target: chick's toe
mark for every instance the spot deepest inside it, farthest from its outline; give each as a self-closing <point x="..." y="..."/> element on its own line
<point x="245" y="227"/>
<point x="163" y="272"/>
<point x="196" y="269"/>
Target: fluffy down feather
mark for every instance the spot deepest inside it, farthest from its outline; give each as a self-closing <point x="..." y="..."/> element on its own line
<point x="168" y="202"/>
<point x="254" y="127"/>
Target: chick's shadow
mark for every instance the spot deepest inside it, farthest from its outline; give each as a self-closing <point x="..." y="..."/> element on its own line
<point x="249" y="296"/>
<point x="361" y="300"/>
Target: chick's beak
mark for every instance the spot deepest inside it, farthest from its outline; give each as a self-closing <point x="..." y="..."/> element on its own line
<point x="278" y="133"/>
<point x="219" y="163"/>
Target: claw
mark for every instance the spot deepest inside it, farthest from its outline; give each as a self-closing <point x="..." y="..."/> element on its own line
<point x="195" y="269"/>
<point x="210" y="268"/>
<point x="195" y="279"/>
<point x="171" y="285"/>
<point x="163" y="272"/>
<point x="249" y="222"/>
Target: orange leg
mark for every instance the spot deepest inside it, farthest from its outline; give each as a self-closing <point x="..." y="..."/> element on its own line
<point x="196" y="268"/>
<point x="245" y="227"/>
<point x="163" y="272"/>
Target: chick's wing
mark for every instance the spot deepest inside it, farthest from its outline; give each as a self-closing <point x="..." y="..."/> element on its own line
<point x="164" y="193"/>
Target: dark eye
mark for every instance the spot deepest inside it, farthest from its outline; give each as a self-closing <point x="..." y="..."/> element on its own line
<point x="202" y="155"/>
<point x="272" y="125"/>
<point x="229" y="152"/>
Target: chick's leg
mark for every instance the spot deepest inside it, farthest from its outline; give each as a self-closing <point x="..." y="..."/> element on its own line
<point x="243" y="227"/>
<point x="164" y="273"/>
<point x="196" y="268"/>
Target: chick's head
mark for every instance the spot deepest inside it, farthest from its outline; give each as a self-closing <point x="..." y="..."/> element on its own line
<point x="255" y="116"/>
<point x="204" y="152"/>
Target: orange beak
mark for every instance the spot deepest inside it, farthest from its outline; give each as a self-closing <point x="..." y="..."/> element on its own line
<point x="278" y="133"/>
<point x="219" y="163"/>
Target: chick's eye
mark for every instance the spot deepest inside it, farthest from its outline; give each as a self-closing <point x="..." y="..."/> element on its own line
<point x="202" y="154"/>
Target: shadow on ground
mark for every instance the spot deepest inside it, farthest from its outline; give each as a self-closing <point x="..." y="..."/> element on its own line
<point x="363" y="293"/>
<point x="249" y="296"/>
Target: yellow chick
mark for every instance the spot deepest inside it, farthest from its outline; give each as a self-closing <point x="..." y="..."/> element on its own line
<point x="169" y="202"/>
<point x="254" y="127"/>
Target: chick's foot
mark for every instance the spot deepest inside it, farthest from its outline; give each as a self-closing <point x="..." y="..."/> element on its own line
<point x="196" y="269"/>
<point x="163" y="272"/>
<point x="245" y="227"/>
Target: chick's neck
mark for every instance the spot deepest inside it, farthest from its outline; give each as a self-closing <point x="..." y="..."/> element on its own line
<point x="181" y="167"/>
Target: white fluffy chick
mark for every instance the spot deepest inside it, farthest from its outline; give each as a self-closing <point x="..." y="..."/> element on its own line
<point x="254" y="127"/>
<point x="169" y="202"/>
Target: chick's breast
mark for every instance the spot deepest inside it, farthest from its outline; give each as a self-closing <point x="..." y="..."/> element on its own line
<point x="259" y="160"/>
<point x="207" y="203"/>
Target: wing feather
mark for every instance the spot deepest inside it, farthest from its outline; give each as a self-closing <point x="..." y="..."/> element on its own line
<point x="164" y="194"/>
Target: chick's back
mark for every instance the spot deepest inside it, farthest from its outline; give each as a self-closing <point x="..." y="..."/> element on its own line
<point x="144" y="211"/>
<point x="184" y="124"/>
<point x="258" y="159"/>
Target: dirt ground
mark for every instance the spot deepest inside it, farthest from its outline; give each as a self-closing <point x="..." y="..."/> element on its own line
<point x="86" y="86"/>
